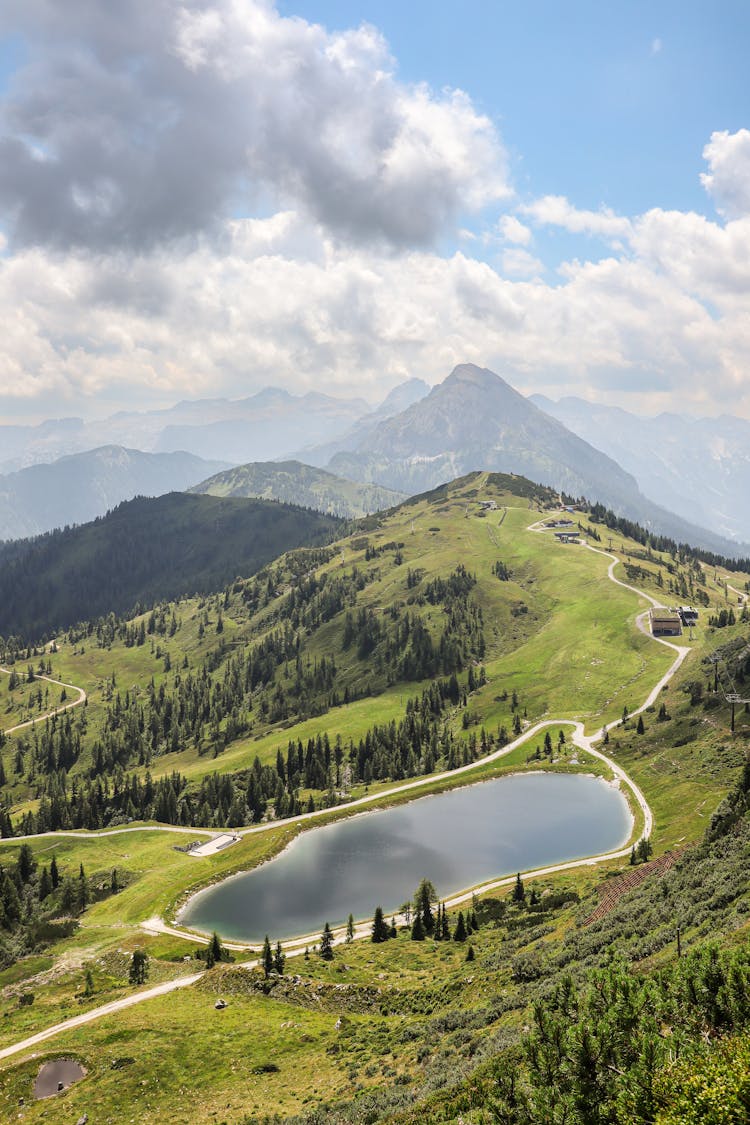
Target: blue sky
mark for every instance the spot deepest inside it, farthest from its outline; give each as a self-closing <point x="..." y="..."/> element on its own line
<point x="606" y="103"/>
<point x="202" y="199"/>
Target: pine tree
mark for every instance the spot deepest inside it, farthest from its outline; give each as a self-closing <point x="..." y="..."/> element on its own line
<point x="216" y="947"/>
<point x="114" y="884"/>
<point x="350" y="929"/>
<point x="519" y="894"/>
<point x="640" y="728"/>
<point x="380" y="929"/>
<point x="279" y="959"/>
<point x="266" y="957"/>
<point x="326" y="943"/>
<point x="423" y="901"/>
<point x="138" y="971"/>
<point x="445" y="932"/>
<point x="417" y="929"/>
<point x="459" y="934"/>
<point x="45" y="885"/>
<point x="470" y="955"/>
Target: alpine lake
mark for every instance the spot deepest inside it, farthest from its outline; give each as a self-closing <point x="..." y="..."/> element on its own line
<point x="457" y="839"/>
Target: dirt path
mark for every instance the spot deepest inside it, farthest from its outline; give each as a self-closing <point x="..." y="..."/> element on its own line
<point x="81" y="698"/>
<point x="297" y="946"/>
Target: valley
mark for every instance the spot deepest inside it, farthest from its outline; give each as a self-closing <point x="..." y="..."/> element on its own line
<point x="459" y="635"/>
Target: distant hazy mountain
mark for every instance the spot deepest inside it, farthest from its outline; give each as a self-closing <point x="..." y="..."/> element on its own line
<point x="696" y="467"/>
<point x="269" y="424"/>
<point x="475" y="420"/>
<point x="295" y="483"/>
<point x="399" y="399"/>
<point x="80" y="487"/>
<point x="142" y="552"/>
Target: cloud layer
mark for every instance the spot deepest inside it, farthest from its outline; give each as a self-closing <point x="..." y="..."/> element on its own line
<point x="130" y="133"/>
<point x="132" y="153"/>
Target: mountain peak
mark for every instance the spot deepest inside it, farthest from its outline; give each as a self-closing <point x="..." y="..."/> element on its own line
<point x="469" y="374"/>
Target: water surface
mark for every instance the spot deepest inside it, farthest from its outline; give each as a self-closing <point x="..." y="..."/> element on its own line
<point x="457" y="839"/>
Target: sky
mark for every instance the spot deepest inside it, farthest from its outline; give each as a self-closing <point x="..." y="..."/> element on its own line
<point x="203" y="198"/>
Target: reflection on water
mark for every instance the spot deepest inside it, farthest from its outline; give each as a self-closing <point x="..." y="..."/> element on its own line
<point x="456" y="839"/>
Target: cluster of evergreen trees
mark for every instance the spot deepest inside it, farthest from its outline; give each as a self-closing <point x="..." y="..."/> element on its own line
<point x="33" y="899"/>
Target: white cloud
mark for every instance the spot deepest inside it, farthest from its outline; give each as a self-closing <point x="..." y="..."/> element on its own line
<point x="282" y="302"/>
<point x="728" y="156"/>
<point x="656" y="46"/>
<point x="556" y="210"/>
<point x="160" y="126"/>
<point x="513" y="230"/>
<point x="517" y="262"/>
<point x="128" y="275"/>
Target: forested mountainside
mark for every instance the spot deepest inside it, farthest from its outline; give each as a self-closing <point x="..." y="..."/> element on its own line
<point x="83" y="486"/>
<point x="416" y="643"/>
<point x="143" y="551"/>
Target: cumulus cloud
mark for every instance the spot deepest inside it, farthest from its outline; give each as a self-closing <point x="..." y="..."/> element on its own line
<point x="282" y="302"/>
<point x="130" y="132"/>
<point x="513" y="230"/>
<point x="556" y="210"/>
<point x="517" y="262"/>
<point x="728" y="156"/>
<point x="133" y="153"/>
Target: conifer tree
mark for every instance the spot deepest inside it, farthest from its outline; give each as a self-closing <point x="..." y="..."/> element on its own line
<point x="279" y="959"/>
<point x="326" y="943"/>
<point x="380" y="929"/>
<point x="216" y="947"/>
<point x="519" y="894"/>
<point x="445" y="932"/>
<point x="266" y="957"/>
<point x="470" y="955"/>
<point x="459" y="934"/>
<point x="350" y="929"/>
<point x="138" y="971"/>
<point x="45" y="884"/>
<point x="417" y="928"/>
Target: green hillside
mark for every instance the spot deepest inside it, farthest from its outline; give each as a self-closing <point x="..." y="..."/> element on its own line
<point x="144" y="550"/>
<point x="423" y="641"/>
<point x="292" y="482"/>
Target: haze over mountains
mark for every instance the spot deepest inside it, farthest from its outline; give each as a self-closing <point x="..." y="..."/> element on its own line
<point x="82" y="486"/>
<point x="699" y="468"/>
<point x="475" y="420"/>
<point x="295" y="483"/>
<point x="685" y="478"/>
<point x="268" y="424"/>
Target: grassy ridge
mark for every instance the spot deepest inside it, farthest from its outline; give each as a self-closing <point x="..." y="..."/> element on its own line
<point x="573" y="651"/>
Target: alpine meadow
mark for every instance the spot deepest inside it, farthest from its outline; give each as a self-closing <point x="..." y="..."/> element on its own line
<point x="374" y="563"/>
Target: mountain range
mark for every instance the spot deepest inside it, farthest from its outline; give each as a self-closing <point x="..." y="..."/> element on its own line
<point x="476" y="420"/>
<point x="82" y="486"/>
<point x="699" y="468"/>
<point x="264" y="425"/>
<point x="685" y="478"/>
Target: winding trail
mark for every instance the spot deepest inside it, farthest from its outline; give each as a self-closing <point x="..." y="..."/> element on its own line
<point x="81" y="698"/>
<point x="297" y="946"/>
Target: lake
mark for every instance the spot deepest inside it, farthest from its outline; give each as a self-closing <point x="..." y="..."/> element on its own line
<point x="457" y="839"/>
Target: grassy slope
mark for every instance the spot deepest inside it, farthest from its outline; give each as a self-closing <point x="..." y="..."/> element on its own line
<point x="295" y="483"/>
<point x="561" y="645"/>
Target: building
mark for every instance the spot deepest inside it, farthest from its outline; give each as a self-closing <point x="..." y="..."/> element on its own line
<point x="688" y="615"/>
<point x="567" y="536"/>
<point x="665" y="623"/>
<point x="488" y="505"/>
